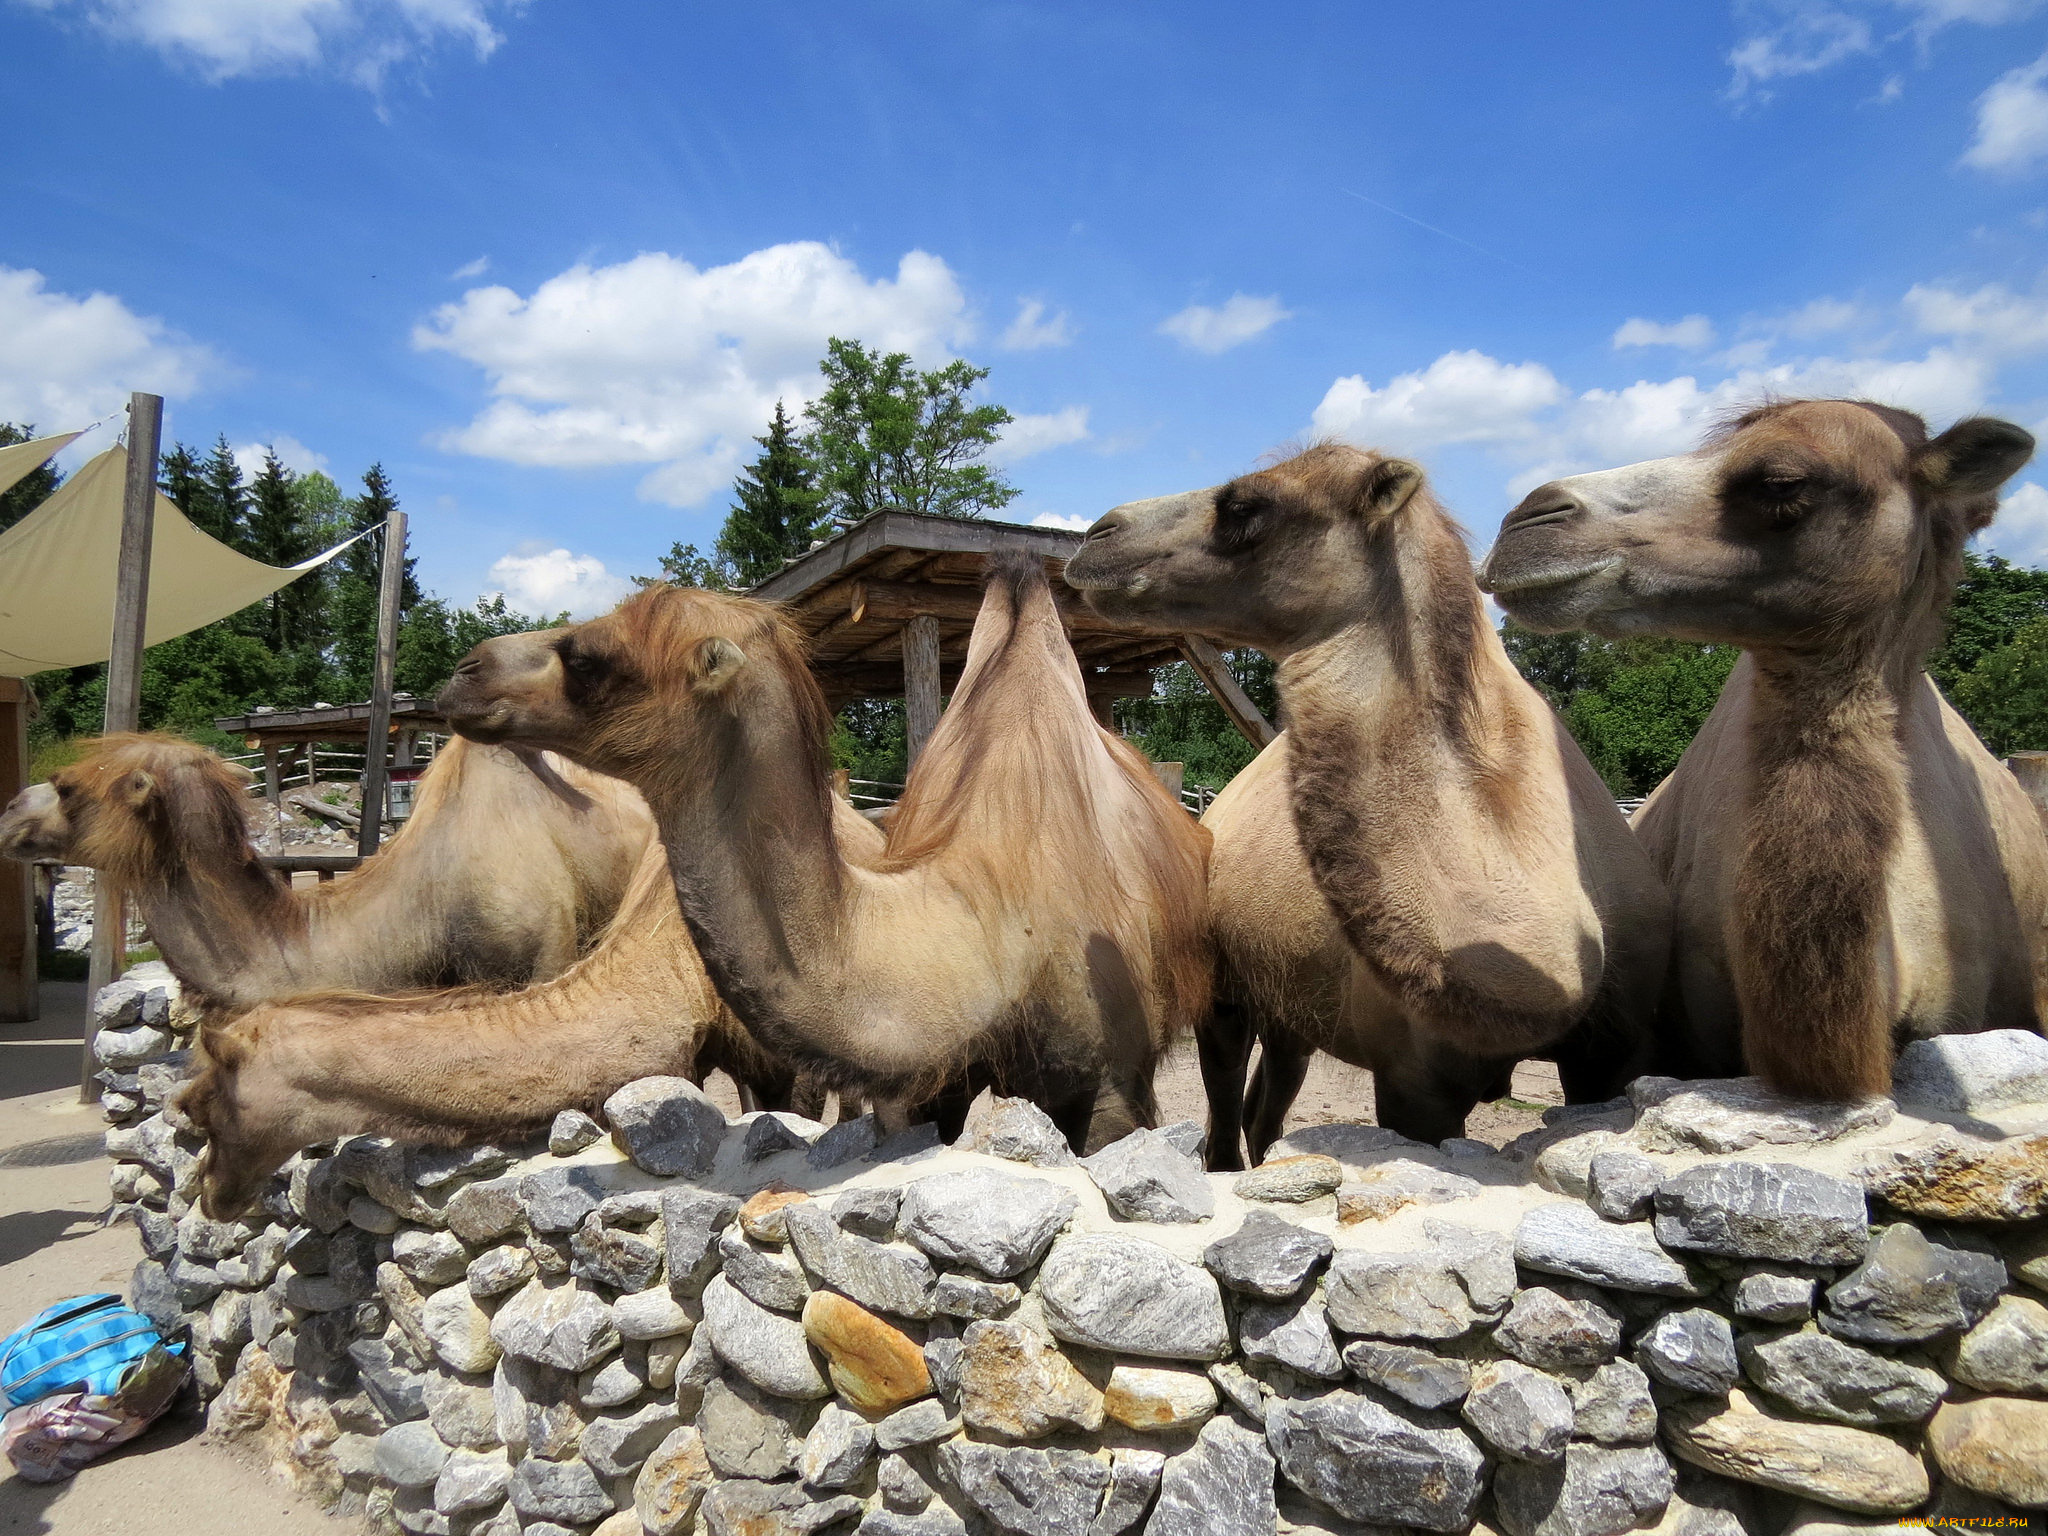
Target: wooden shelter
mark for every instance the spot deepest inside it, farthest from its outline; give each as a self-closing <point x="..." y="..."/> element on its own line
<point x="282" y="734"/>
<point x="889" y="603"/>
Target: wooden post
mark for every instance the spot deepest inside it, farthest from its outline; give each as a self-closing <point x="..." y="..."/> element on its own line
<point x="920" y="682"/>
<point x="124" y="687"/>
<point x="18" y="1000"/>
<point x="1214" y="672"/>
<point x="273" y="791"/>
<point x="377" y="744"/>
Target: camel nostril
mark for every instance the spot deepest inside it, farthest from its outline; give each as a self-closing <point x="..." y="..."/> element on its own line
<point x="1546" y="504"/>
<point x="1103" y="527"/>
<point x="469" y="664"/>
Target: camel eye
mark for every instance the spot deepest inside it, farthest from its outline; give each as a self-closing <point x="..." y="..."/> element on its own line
<point x="582" y="663"/>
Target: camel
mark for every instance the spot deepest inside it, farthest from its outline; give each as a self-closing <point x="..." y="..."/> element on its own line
<point x="1038" y="923"/>
<point x="508" y="867"/>
<point x="1851" y="868"/>
<point x="1423" y="875"/>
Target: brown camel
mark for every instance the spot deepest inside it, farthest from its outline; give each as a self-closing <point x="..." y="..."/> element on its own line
<point x="465" y="1064"/>
<point x="508" y="866"/>
<point x="1851" y="868"/>
<point x="1038" y="923"/>
<point x="1495" y="905"/>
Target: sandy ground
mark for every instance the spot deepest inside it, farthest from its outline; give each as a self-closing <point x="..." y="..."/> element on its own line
<point x="53" y="1197"/>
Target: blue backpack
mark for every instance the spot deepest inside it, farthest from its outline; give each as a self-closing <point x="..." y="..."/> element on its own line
<point x="86" y="1344"/>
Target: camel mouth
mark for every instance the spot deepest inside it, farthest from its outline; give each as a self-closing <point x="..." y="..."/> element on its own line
<point x="1543" y="577"/>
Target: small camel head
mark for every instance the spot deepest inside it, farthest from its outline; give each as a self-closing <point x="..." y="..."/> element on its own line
<point x="622" y="694"/>
<point x="1277" y="559"/>
<point x="1801" y="522"/>
<point x="238" y="1159"/>
<point x="117" y="807"/>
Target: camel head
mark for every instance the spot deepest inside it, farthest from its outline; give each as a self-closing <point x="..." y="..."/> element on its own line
<point x="246" y="1141"/>
<point x="1277" y="559"/>
<point x="134" y="806"/>
<point x="657" y="681"/>
<point x="1800" y="522"/>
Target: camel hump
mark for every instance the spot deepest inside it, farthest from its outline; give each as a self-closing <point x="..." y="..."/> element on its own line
<point x="1017" y="573"/>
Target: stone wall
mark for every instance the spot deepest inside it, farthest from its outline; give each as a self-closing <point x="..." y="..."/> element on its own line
<point x="1700" y="1310"/>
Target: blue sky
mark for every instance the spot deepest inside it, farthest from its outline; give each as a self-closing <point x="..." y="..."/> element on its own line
<point x="552" y="263"/>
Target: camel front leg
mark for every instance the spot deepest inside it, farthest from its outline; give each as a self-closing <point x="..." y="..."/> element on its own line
<point x="1223" y="1042"/>
<point x="1427" y="1093"/>
<point x="1283" y="1066"/>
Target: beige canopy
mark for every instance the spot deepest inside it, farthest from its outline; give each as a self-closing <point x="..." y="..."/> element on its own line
<point x="20" y="460"/>
<point x="57" y="570"/>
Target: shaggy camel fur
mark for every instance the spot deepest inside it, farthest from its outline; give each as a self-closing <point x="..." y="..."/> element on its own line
<point x="507" y="868"/>
<point x="466" y="1065"/>
<point x="1038" y="924"/>
<point x="1851" y="867"/>
<point x="1494" y="903"/>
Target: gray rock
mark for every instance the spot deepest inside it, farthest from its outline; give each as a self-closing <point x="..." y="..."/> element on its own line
<point x="1613" y="1406"/>
<point x="1267" y="1256"/>
<point x="498" y="1270"/>
<point x="397" y="1392"/>
<point x="771" y="1509"/>
<point x="1358" y="1145"/>
<point x="1380" y="1191"/>
<point x="1771" y="1296"/>
<point x="919" y="1423"/>
<point x="1523" y="1414"/>
<point x="458" y="1330"/>
<point x="1733" y="1114"/>
<point x="997" y="1223"/>
<point x="1593" y="1491"/>
<point x="2007" y="1351"/>
<point x="932" y="1522"/>
<point x="567" y="1492"/>
<point x="1290" y="1180"/>
<point x="869" y="1211"/>
<point x="1973" y="1074"/>
<point x="1189" y="1135"/>
<point x="747" y="1434"/>
<point x="485" y="1211"/>
<point x="1830" y="1379"/>
<point x="1145" y="1177"/>
<point x="432" y="1259"/>
<point x="650" y="1314"/>
<point x="1693" y="1351"/>
<point x="902" y="1487"/>
<point x="964" y="1297"/>
<point x="837" y="1450"/>
<point x="1290" y="1333"/>
<point x="1220" y="1486"/>
<point x="613" y="1256"/>
<point x="765" y="1347"/>
<point x="666" y="1125"/>
<point x="556" y="1200"/>
<point x="612" y="1384"/>
<point x="1026" y="1491"/>
<point x="1908" y="1290"/>
<point x="122" y="1050"/>
<point x="774" y="1131"/>
<point x="764" y="1276"/>
<point x="845" y="1142"/>
<point x="1417" y="1376"/>
<point x="437" y="1168"/>
<point x="1620" y="1185"/>
<point x="1569" y="1239"/>
<point x="1549" y="1328"/>
<point x="1414" y="1295"/>
<point x="691" y="1221"/>
<point x="151" y="1293"/>
<point x="411" y="1455"/>
<point x="472" y="1481"/>
<point x="1123" y="1294"/>
<point x="616" y="1444"/>
<point x="942" y="1364"/>
<point x="914" y="1144"/>
<point x="536" y="1410"/>
<point x="1370" y="1460"/>
<point x="1777" y="1211"/>
<point x="572" y="1131"/>
<point x="884" y="1277"/>
<point x="462" y="1414"/>
<point x="1133" y="1479"/>
<point x="1240" y="1389"/>
<point x="1017" y="1131"/>
<point x="555" y="1323"/>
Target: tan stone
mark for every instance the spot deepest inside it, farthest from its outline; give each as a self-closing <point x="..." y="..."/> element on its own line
<point x="761" y="1217"/>
<point x="1843" y="1467"/>
<point x="2026" y="1255"/>
<point x="1996" y="1446"/>
<point x="1291" y="1180"/>
<point x="874" y="1365"/>
<point x="1956" y="1179"/>
<point x="1015" y="1383"/>
<point x="624" y="1522"/>
<point x="1154" y="1398"/>
<point x="671" y="1484"/>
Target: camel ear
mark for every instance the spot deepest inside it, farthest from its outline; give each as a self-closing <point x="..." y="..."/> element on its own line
<point x="1387" y="487"/>
<point x="717" y="663"/>
<point x="135" y="788"/>
<point x="1974" y="457"/>
<point x="241" y="771"/>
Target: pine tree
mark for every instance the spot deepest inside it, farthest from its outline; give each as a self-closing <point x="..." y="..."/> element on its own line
<point x="276" y="534"/>
<point x="779" y="509"/>
<point x="222" y="502"/>
<point x="32" y="489"/>
<point x="353" y="607"/>
<point x="182" y="479"/>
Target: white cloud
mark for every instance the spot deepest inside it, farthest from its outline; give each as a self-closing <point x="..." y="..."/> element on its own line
<point x="1218" y="328"/>
<point x="654" y="361"/>
<point x="1807" y="39"/>
<point x="1026" y="435"/>
<point x="1993" y="319"/>
<point x="1692" y="333"/>
<point x="2020" y="532"/>
<point x="2012" y="121"/>
<point x="1817" y="317"/>
<point x="291" y="453"/>
<point x="1462" y="397"/>
<point x="1032" y="330"/>
<point x="469" y="269"/>
<point x="539" y="580"/>
<point x="1073" y="522"/>
<point x="69" y="360"/>
<point x="227" y="38"/>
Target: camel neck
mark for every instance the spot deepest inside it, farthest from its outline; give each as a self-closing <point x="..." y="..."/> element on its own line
<point x="225" y="928"/>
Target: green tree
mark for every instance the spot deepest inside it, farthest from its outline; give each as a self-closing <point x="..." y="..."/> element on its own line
<point x="220" y="500"/>
<point x="32" y="489"/>
<point x="885" y="434"/>
<point x="1994" y="601"/>
<point x="357" y="579"/>
<point x="436" y="636"/>
<point x="778" y="509"/>
<point x="686" y="566"/>
<point x="2004" y="695"/>
<point x="1181" y="722"/>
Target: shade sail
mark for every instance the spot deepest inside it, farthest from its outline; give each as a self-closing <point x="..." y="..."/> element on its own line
<point x="57" y="570"/>
<point x="20" y="460"/>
